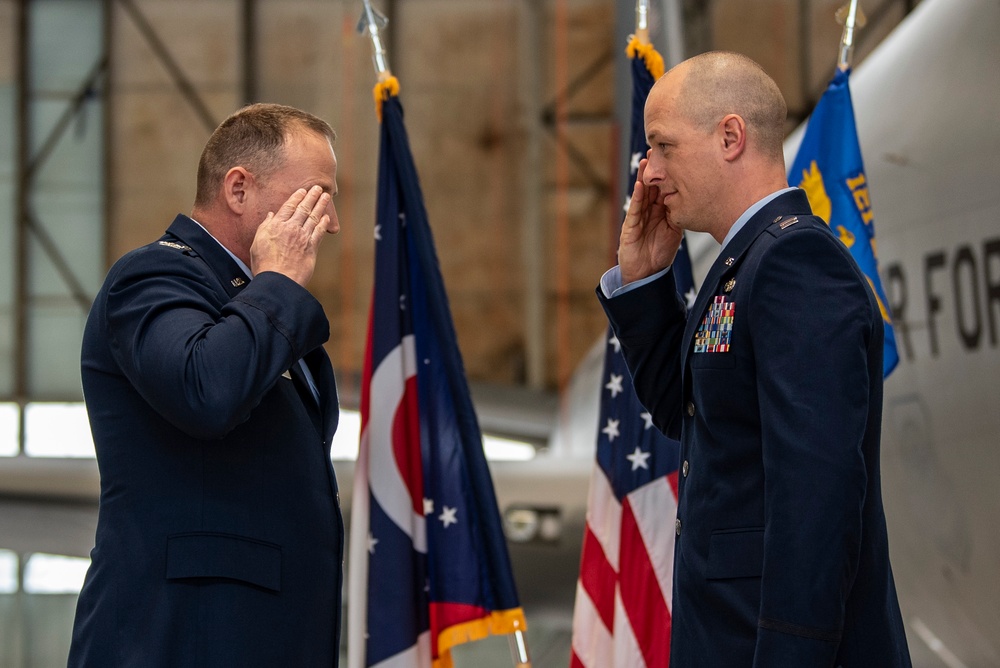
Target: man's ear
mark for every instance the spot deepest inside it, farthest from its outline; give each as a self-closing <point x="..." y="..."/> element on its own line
<point x="733" y="135"/>
<point x="237" y="186"/>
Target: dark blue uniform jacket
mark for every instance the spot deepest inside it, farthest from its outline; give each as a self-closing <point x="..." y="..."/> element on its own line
<point x="219" y="539"/>
<point x="781" y="556"/>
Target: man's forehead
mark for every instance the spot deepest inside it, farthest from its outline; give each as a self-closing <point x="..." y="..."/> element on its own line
<point x="658" y="112"/>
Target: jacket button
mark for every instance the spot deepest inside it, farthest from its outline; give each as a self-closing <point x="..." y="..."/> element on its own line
<point x="677" y="526"/>
<point x="684" y="468"/>
<point x="690" y="408"/>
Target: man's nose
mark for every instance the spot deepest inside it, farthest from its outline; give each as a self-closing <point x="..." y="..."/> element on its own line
<point x="334" y="225"/>
<point x="653" y="173"/>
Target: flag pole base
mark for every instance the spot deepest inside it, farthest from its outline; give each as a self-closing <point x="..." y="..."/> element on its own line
<point x="519" y="649"/>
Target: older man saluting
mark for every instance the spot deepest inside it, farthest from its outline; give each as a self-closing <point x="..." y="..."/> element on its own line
<point x="213" y="406"/>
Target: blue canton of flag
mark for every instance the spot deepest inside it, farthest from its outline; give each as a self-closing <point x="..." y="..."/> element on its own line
<point x="622" y="612"/>
<point x="428" y="565"/>
<point x="829" y="168"/>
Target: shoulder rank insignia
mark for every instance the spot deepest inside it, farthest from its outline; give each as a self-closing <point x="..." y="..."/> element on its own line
<point x="172" y="244"/>
<point x="237" y="282"/>
<point x="788" y="222"/>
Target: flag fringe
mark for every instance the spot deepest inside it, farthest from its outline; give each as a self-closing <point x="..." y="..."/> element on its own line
<point x="499" y="622"/>
<point x="649" y="55"/>
<point x="383" y="91"/>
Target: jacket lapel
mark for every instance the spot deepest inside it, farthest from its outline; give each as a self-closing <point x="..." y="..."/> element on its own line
<point x="791" y="203"/>
<point x="329" y="403"/>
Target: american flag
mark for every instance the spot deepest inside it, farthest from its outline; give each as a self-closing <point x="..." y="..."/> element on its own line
<point x="623" y="599"/>
<point x="428" y="566"/>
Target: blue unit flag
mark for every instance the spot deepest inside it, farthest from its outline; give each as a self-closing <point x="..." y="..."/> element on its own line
<point x="829" y="168"/>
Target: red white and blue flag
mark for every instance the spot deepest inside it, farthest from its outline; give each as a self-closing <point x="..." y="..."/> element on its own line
<point x="622" y="613"/>
<point x="428" y="567"/>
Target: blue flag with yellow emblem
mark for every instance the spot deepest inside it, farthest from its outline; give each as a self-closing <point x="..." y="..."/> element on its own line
<point x="830" y="169"/>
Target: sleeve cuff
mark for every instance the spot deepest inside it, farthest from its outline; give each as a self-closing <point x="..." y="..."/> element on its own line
<point x="611" y="282"/>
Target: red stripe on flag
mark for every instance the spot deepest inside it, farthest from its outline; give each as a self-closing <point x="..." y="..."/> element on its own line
<point x="641" y="594"/>
<point x="446" y="615"/>
<point x="574" y="661"/>
<point x="598" y="578"/>
<point x="406" y="444"/>
<point x="672" y="479"/>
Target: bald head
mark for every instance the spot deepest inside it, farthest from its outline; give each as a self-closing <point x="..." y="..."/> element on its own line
<point x="714" y="125"/>
<point x="714" y="84"/>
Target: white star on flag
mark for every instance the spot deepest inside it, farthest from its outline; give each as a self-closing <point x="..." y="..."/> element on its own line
<point x="625" y="205"/>
<point x="647" y="418"/>
<point x="615" y="385"/>
<point x="428" y="506"/>
<point x="611" y="430"/>
<point x="378" y="233"/>
<point x="634" y="165"/>
<point x="447" y="516"/>
<point x="616" y="343"/>
<point x="638" y="459"/>
<point x="372" y="542"/>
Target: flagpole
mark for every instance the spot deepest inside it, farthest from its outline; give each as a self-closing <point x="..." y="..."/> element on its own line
<point x="372" y="20"/>
<point x="519" y="649"/>
<point x="642" y="21"/>
<point x="852" y="18"/>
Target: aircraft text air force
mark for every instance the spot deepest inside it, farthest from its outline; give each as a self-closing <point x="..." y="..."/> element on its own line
<point x="945" y="296"/>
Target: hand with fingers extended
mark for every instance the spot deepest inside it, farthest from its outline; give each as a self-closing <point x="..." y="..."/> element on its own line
<point x="287" y="241"/>
<point x="649" y="241"/>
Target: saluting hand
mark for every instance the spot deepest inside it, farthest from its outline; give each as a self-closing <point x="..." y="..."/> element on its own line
<point x="287" y="241"/>
<point x="649" y="241"/>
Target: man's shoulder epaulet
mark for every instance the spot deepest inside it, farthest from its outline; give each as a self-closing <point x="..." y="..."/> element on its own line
<point x="783" y="224"/>
<point x="177" y="246"/>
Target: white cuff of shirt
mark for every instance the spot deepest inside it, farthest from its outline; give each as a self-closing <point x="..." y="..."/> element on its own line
<point x="611" y="282"/>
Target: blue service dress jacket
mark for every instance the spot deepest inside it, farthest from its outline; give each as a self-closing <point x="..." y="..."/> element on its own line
<point x="773" y="385"/>
<point x="219" y="537"/>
